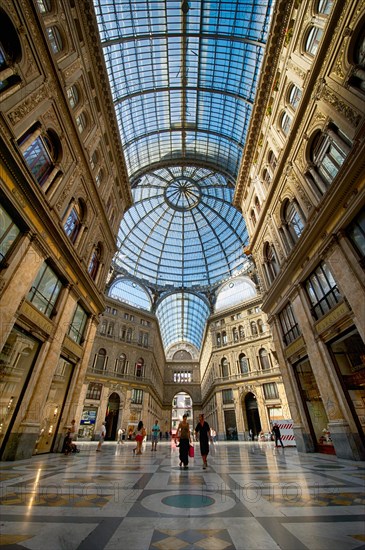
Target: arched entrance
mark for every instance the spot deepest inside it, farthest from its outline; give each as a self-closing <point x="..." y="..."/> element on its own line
<point x="252" y="414"/>
<point x="112" y="415"/>
<point x="181" y="404"/>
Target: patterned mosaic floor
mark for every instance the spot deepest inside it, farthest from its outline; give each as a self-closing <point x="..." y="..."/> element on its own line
<point x="252" y="496"/>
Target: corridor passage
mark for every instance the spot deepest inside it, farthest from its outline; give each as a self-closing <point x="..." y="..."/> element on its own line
<point x="251" y="496"/>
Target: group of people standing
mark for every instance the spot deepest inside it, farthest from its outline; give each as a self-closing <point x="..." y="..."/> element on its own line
<point x="202" y="431"/>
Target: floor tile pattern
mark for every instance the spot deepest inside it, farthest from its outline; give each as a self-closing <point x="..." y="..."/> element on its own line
<point x="252" y="496"/>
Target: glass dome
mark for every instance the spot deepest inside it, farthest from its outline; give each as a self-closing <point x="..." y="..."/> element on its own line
<point x="182" y="230"/>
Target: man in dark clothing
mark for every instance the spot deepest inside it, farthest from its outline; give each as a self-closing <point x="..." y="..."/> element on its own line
<point x="203" y="431"/>
<point x="277" y="435"/>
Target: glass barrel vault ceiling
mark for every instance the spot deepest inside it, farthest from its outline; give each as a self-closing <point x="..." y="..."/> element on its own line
<point x="183" y="78"/>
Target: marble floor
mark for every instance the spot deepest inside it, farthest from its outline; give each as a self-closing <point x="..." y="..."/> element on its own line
<point x="251" y="496"/>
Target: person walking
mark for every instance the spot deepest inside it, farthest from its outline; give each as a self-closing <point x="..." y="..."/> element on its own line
<point x="202" y="431"/>
<point x="183" y="433"/>
<point x="121" y="433"/>
<point x="155" y="432"/>
<point x="101" y="437"/>
<point x="141" y="433"/>
<point x="277" y="435"/>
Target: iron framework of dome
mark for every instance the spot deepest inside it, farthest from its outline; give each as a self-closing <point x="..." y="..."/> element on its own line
<point x="183" y="78"/>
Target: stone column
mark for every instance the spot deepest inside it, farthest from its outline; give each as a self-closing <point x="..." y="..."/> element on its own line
<point x="18" y="286"/>
<point x="332" y="395"/>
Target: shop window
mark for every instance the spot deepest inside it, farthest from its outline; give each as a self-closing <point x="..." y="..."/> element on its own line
<point x="271" y="391"/>
<point x="94" y="391"/>
<point x="10" y="53"/>
<point x="313" y="40"/>
<point x="243" y="362"/>
<point x="227" y="396"/>
<point x="45" y="290"/>
<point x="55" y="39"/>
<point x="17" y="358"/>
<point x="322" y="291"/>
<point x="78" y="325"/>
<point x="356" y="235"/>
<point x="295" y="95"/>
<point x="73" y="96"/>
<point x="9" y="233"/>
<point x="264" y="359"/>
<point x="289" y="325"/>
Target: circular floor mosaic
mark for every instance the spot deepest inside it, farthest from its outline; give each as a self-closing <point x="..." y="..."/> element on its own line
<point x="199" y="502"/>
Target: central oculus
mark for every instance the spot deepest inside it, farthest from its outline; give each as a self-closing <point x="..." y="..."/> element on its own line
<point x="182" y="194"/>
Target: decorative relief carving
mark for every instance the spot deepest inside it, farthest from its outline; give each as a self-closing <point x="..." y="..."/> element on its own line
<point x="20" y="198"/>
<point x="340" y="106"/>
<point x="28" y="105"/>
<point x="72" y="69"/>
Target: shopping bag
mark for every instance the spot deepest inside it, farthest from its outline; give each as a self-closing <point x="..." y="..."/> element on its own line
<point x="191" y="451"/>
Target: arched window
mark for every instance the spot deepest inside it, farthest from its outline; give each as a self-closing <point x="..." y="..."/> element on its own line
<point x="271" y="263"/>
<point x="266" y="176"/>
<point x="285" y="123"/>
<point x="73" y="96"/>
<point x="235" y="334"/>
<point x="100" y="363"/>
<point x="73" y="222"/>
<point x="324" y="7"/>
<point x="224" y="338"/>
<point x="129" y="335"/>
<point x="81" y="122"/>
<point x="99" y="177"/>
<point x="253" y="217"/>
<point x="10" y="53"/>
<point x="313" y="39"/>
<point x="328" y="152"/>
<point x="293" y="220"/>
<point x="218" y="338"/>
<point x="272" y="160"/>
<point x="357" y="78"/>
<point x="264" y="359"/>
<point x="257" y="205"/>
<point x="253" y="328"/>
<point x="243" y="362"/>
<point x="260" y="326"/>
<point x="55" y="39"/>
<point x="44" y="6"/>
<point x="224" y="367"/>
<point x="241" y="332"/>
<point x="41" y="151"/>
<point x="139" y="367"/>
<point x="295" y="95"/>
<point x="121" y="363"/>
<point x="95" y="262"/>
<point x="94" y="159"/>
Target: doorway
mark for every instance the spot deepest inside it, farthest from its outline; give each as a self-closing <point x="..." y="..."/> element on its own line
<point x="112" y="416"/>
<point x="252" y="413"/>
